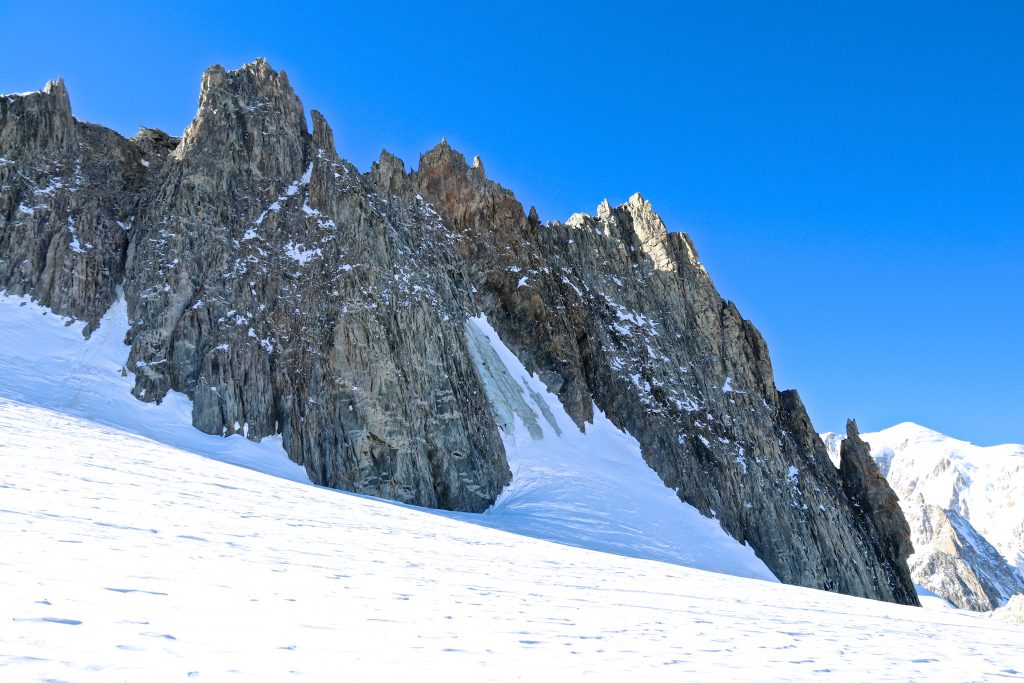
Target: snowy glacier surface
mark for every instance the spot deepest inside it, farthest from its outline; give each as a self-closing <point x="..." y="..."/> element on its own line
<point x="125" y="559"/>
<point x="133" y="547"/>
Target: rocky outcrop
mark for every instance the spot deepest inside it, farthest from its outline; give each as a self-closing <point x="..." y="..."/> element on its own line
<point x="616" y="304"/>
<point x="285" y="292"/>
<point x="871" y="494"/>
<point x="68" y="197"/>
<point x="513" y="281"/>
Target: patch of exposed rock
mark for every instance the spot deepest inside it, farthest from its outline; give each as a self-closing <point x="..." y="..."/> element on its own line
<point x="1012" y="611"/>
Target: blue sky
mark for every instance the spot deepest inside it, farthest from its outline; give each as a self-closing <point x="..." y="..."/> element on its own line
<point x="853" y="176"/>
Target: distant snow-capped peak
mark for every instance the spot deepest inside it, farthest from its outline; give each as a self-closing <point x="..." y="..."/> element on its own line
<point x="972" y="492"/>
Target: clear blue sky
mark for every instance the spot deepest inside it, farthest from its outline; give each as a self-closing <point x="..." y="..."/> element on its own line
<point x="852" y="175"/>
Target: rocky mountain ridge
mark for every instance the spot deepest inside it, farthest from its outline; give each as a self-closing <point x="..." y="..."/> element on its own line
<point x="287" y="293"/>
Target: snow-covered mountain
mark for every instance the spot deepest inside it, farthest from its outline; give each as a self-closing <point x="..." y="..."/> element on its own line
<point x="244" y="294"/>
<point x="963" y="503"/>
<point x="127" y="559"/>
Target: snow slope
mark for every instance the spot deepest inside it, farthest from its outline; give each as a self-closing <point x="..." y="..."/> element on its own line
<point x="126" y="559"/>
<point x="45" y="361"/>
<point x="591" y="490"/>
<point x="930" y="600"/>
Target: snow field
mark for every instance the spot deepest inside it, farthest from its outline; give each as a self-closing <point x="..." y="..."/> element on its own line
<point x="126" y="559"/>
<point x="125" y="556"/>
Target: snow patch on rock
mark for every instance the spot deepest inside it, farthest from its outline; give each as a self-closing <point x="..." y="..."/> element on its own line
<point x="590" y="489"/>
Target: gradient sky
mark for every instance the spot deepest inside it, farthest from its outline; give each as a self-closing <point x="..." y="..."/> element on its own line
<point x="853" y="176"/>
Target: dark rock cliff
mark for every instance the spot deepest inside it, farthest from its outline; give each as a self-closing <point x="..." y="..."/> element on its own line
<point x="68" y="194"/>
<point x="874" y="498"/>
<point x="285" y="292"/>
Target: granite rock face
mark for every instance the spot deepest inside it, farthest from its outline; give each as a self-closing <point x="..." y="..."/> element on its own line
<point x="513" y="281"/>
<point x="69" y="192"/>
<point x="285" y="292"/>
<point x="616" y="308"/>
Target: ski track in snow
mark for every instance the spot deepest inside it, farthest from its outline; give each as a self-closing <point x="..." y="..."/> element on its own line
<point x="126" y="559"/>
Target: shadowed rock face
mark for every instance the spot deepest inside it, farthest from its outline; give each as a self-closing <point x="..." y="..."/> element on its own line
<point x="287" y="293"/>
<point x="658" y="350"/>
<point x="872" y="495"/>
<point x="68" y="195"/>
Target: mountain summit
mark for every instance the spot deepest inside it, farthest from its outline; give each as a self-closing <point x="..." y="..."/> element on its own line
<point x="286" y="293"/>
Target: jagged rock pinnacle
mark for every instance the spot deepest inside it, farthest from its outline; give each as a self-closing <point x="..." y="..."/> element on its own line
<point x="532" y="217"/>
<point x="50" y="109"/>
<point x="868" y="489"/>
<point x="323" y="136"/>
<point x="55" y="87"/>
<point x="388" y="173"/>
<point x="442" y="159"/>
<point x="249" y="117"/>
